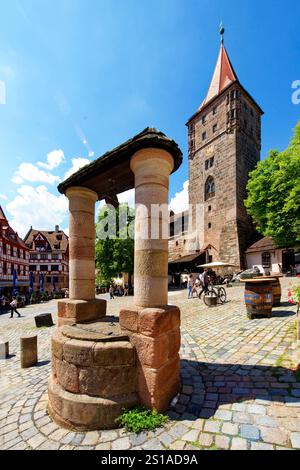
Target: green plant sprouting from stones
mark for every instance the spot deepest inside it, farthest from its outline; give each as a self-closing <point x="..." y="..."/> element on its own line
<point x="140" y="419"/>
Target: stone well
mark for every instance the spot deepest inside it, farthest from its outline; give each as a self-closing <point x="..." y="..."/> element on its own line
<point x="99" y="367"/>
<point x="94" y="376"/>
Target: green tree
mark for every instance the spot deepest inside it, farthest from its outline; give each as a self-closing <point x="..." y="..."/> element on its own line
<point x="114" y="251"/>
<point x="274" y="194"/>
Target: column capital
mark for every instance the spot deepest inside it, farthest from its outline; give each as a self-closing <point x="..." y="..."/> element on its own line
<point x="80" y="191"/>
<point x="151" y="156"/>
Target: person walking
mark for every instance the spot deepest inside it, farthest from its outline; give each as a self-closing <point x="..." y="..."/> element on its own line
<point x="111" y="292"/>
<point x="204" y="283"/>
<point x="13" y="307"/>
<point x="190" y="286"/>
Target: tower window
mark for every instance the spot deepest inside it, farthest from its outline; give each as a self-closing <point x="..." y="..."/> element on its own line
<point x="209" y="208"/>
<point x="204" y="119"/>
<point x="210" y="188"/>
<point x="215" y="110"/>
<point x="211" y="162"/>
<point x="204" y="136"/>
<point x="233" y="95"/>
<point x="209" y="225"/>
<point x="215" y="127"/>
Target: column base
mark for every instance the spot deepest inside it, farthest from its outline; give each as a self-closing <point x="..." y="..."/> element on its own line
<point x="80" y="311"/>
<point x="155" y="333"/>
<point x="83" y="412"/>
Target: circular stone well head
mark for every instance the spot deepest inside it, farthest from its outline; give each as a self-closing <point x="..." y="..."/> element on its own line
<point x="94" y="375"/>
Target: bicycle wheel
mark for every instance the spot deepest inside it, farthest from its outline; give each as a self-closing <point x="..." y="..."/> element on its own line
<point x="222" y="296"/>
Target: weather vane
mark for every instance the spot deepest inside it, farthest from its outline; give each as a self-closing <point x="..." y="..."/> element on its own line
<point x="222" y="31"/>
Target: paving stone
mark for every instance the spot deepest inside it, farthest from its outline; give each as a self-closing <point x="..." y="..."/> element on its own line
<point x="274" y="436"/>
<point x="90" y="439"/>
<point x="249" y="432"/>
<point x="223" y="415"/>
<point x="206" y="440"/>
<point x="256" y="409"/>
<point x="212" y="426"/>
<point x="295" y="440"/>
<point x="231" y="429"/>
<point x="261" y="446"/>
<point x="191" y="436"/>
<point x="222" y="442"/>
<point x="103" y="446"/>
<point x="121" y="444"/>
<point x="238" y="443"/>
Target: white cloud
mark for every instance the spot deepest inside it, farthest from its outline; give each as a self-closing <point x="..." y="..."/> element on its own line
<point x="30" y="172"/>
<point x="54" y="159"/>
<point x="77" y="163"/>
<point x="2" y="196"/>
<point x="127" y="196"/>
<point x="37" y="207"/>
<point x="180" y="202"/>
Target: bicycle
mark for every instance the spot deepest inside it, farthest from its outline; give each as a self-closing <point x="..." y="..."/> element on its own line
<point x="217" y="292"/>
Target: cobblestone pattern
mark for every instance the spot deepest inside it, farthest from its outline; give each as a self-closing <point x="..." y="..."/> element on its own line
<point x="238" y="389"/>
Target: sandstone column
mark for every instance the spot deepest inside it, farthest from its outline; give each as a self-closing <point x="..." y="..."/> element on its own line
<point x="153" y="326"/>
<point x="82" y="305"/>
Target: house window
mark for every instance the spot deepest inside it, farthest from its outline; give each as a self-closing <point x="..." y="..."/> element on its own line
<point x="32" y="267"/>
<point x="55" y="268"/>
<point x="204" y="119"/>
<point x="43" y="268"/>
<point x="211" y="162"/>
<point x="209" y="208"/>
<point x="44" y="256"/>
<point x="4" y="249"/>
<point x="215" y="110"/>
<point x="266" y="260"/>
<point x="11" y="251"/>
<point x="204" y="136"/>
<point x="4" y="267"/>
<point x="206" y="164"/>
<point x="215" y="127"/>
<point x="209" y="188"/>
<point x="209" y="225"/>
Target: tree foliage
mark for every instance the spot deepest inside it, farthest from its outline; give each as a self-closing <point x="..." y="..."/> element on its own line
<point x="114" y="254"/>
<point x="274" y="194"/>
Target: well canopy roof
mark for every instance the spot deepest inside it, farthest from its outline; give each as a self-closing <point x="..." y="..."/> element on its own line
<point x="110" y="174"/>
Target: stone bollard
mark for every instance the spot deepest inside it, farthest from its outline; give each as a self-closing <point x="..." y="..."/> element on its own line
<point x="29" y="356"/>
<point x="4" y="350"/>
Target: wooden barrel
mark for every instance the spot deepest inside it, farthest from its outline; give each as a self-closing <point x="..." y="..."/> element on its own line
<point x="276" y="287"/>
<point x="259" y="297"/>
<point x="276" y="292"/>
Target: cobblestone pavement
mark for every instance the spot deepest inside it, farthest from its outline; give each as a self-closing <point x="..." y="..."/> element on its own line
<point x="238" y="388"/>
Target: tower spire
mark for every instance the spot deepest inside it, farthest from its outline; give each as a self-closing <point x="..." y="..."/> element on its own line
<point x="222" y="31"/>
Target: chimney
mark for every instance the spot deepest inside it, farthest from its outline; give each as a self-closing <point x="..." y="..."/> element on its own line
<point x="56" y="228"/>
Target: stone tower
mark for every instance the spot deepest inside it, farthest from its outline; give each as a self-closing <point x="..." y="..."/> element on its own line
<point x="224" y="146"/>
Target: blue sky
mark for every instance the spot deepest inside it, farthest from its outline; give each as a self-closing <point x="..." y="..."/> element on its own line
<point x="82" y="76"/>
